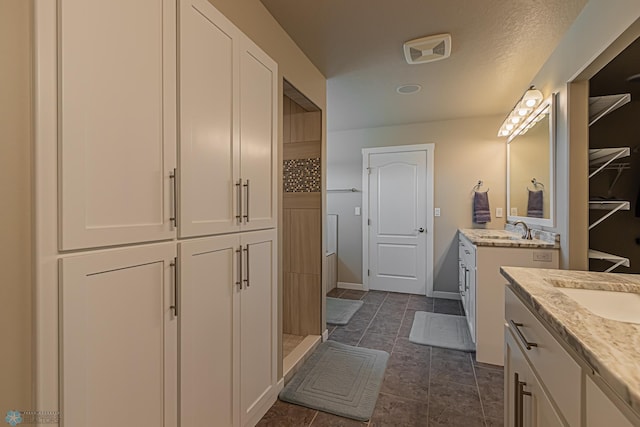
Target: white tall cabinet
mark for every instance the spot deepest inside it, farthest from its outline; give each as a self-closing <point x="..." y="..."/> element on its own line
<point x="156" y="121"/>
<point x="227" y="132"/>
<point x="117" y="134"/>
<point x="228" y="320"/>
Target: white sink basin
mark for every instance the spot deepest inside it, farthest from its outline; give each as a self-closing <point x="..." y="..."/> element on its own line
<point x="620" y="306"/>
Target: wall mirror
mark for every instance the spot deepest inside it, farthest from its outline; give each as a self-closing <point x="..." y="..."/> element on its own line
<point x="530" y="168"/>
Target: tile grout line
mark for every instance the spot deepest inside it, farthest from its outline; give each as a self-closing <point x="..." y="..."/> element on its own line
<point x="475" y="377"/>
<point x="404" y="315"/>
<point x="371" y="321"/>
<point x="314" y="418"/>
<point x="429" y="382"/>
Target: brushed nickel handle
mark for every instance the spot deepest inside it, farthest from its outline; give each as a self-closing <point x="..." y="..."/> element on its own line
<point x="239" y="201"/>
<point x="246" y="186"/>
<point x="239" y="281"/>
<point x="248" y="283"/>
<point x="174" y="307"/>
<point x="526" y="343"/>
<point x="519" y="400"/>
<point x="173" y="178"/>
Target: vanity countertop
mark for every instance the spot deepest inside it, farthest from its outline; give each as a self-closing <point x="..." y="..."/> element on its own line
<point x="505" y="238"/>
<point x="611" y="348"/>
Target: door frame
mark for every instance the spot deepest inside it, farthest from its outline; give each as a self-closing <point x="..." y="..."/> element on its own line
<point x="429" y="149"/>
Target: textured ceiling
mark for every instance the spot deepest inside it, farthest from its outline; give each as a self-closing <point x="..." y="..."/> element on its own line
<point x="497" y="48"/>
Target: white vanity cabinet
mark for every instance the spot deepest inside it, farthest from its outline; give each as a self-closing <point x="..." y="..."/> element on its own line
<point x="228" y="121"/>
<point x="525" y="402"/>
<point x="467" y="282"/>
<point x="547" y="385"/>
<point x="481" y="288"/>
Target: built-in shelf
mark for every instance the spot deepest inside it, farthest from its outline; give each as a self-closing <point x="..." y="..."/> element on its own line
<point x="614" y="259"/>
<point x="603" y="157"/>
<point x="600" y="106"/>
<point x="608" y="205"/>
<point x="612" y="206"/>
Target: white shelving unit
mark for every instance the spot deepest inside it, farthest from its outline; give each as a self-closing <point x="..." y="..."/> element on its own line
<point x="605" y="158"/>
<point x="600" y="106"/>
<point x="615" y="259"/>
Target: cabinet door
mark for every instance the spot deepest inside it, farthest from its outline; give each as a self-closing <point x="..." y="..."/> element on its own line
<point x="258" y="136"/>
<point x="117" y="121"/>
<point x="119" y="338"/>
<point x="471" y="301"/>
<point x="526" y="404"/>
<point x="258" y="324"/>
<point x="209" y="150"/>
<point x="209" y="331"/>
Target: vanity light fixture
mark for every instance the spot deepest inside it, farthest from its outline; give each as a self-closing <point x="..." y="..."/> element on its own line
<point x="520" y="117"/>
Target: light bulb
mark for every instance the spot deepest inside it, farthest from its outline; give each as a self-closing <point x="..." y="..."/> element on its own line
<point x="509" y="126"/>
<point x="530" y="102"/>
<point x="505" y="132"/>
<point x="515" y="120"/>
<point x="523" y="112"/>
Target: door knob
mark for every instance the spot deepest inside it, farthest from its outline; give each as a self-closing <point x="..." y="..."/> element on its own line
<point x="421" y="230"/>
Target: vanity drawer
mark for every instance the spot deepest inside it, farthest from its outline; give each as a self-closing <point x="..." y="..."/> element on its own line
<point x="556" y="369"/>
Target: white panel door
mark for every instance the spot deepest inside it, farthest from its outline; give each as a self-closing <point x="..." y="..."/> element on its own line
<point x="118" y="121"/>
<point x="258" y="323"/>
<point x="119" y="338"/>
<point x="209" y="331"/>
<point x="258" y="136"/>
<point x="397" y="211"/>
<point x="209" y="150"/>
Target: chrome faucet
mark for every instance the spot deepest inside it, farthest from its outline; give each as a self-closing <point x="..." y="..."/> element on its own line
<point x="527" y="231"/>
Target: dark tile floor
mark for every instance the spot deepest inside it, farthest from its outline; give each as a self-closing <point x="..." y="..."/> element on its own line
<point x="423" y="386"/>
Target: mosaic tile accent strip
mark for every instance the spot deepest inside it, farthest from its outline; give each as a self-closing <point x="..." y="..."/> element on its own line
<point x="302" y="176"/>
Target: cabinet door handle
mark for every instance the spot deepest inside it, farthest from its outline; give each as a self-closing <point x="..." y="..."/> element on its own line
<point x="516" y="327"/>
<point x="466" y="279"/>
<point x="174" y="186"/>
<point x="248" y="283"/>
<point x="239" y="201"/>
<point x="519" y="400"/>
<point x="174" y="307"/>
<point x="239" y="281"/>
<point x="246" y="186"/>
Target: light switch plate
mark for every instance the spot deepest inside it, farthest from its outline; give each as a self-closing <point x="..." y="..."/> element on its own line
<point x="436" y="212"/>
<point x="498" y="212"/>
<point x="356" y="211"/>
<point x="514" y="211"/>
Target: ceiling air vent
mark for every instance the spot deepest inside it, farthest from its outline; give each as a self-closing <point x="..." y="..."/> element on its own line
<point x="428" y="49"/>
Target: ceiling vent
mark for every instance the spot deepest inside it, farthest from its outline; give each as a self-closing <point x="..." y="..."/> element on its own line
<point x="428" y="49"/>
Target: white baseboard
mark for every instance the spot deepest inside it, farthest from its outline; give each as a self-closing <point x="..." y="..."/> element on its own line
<point x="446" y="295"/>
<point x="351" y="286"/>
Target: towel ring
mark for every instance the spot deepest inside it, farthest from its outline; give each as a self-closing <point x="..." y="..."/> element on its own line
<point x="536" y="184"/>
<point x="477" y="186"/>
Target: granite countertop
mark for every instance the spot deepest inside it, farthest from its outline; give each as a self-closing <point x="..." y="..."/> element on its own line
<point x="611" y="348"/>
<point x="507" y="239"/>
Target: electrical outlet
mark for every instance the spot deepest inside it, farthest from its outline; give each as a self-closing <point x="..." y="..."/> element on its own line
<point x="437" y="212"/>
<point x="498" y="212"/>
<point x="542" y="256"/>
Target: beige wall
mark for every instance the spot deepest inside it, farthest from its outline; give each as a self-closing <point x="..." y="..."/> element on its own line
<point x="466" y="150"/>
<point x="15" y="148"/>
<point x="583" y="50"/>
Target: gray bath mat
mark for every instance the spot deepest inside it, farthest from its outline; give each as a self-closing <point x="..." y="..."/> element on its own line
<point x="441" y="330"/>
<point x="340" y="311"/>
<point x="339" y="379"/>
